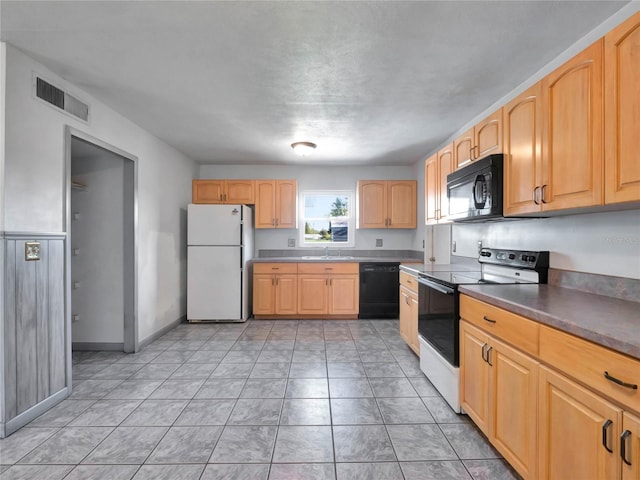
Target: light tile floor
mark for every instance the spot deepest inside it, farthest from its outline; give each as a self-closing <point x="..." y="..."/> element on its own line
<point x="340" y="400"/>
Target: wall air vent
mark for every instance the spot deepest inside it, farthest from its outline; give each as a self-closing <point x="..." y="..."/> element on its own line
<point x="62" y="100"/>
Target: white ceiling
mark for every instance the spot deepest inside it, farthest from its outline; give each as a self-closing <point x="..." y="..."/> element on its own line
<point x="234" y="82"/>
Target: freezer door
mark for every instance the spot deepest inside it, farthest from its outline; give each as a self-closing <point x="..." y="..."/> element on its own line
<point x="214" y="283"/>
<point x="214" y="224"/>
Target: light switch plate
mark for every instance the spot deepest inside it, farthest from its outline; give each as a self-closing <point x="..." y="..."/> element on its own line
<point x="378" y="242"/>
<point x="31" y="251"/>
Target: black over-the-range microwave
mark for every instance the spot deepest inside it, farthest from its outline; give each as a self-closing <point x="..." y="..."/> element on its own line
<point x="475" y="191"/>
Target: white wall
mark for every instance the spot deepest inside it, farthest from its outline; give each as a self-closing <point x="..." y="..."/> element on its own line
<point x="98" y="235"/>
<point x="602" y="243"/>
<point x="322" y="178"/>
<point x="34" y="185"/>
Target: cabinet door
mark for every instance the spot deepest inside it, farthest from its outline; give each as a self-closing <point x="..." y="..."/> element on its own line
<point x="522" y="152"/>
<point x="372" y="203"/>
<point x="401" y="195"/>
<point x="474" y="375"/>
<point x="344" y="294"/>
<point x="413" y="323"/>
<point x="286" y="204"/>
<point x="572" y="136"/>
<point x="432" y="193"/>
<point x="488" y="136"/>
<point x="572" y="422"/>
<point x="207" y="191"/>
<point x="263" y="294"/>
<point x="265" y="215"/>
<point x="631" y="459"/>
<point x="622" y="112"/>
<point x="445" y="167"/>
<point x="312" y="294"/>
<point x="239" y="191"/>
<point x="462" y="149"/>
<point x="514" y="407"/>
<point x="286" y="295"/>
<point x="405" y="314"/>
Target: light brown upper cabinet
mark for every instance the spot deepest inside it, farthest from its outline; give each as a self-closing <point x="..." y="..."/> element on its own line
<point x="436" y="169"/>
<point x="622" y="111"/>
<point x="223" y="191"/>
<point x="276" y="204"/>
<point x="387" y="204"/>
<point x="572" y="133"/>
<point x="478" y="142"/>
<point x="523" y="152"/>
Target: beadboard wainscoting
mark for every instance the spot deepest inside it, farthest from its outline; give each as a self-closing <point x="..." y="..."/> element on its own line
<point x="35" y="330"/>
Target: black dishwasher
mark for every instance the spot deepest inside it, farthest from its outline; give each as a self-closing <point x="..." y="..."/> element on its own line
<point x="379" y="290"/>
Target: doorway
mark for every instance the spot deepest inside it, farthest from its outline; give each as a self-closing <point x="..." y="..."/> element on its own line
<point x="101" y="226"/>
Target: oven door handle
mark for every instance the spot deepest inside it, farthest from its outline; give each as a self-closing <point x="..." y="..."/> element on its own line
<point x="437" y="286"/>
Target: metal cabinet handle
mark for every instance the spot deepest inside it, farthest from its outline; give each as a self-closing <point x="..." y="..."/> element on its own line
<point x="273" y="222"/>
<point x="605" y="437"/>
<point x="535" y="196"/>
<point x="484" y="345"/>
<point x="277" y="222"/>
<point x="489" y="350"/>
<point x="490" y="320"/>
<point x="632" y="386"/>
<point x="389" y="222"/>
<point x="272" y="281"/>
<point x="542" y="190"/>
<point x="623" y="447"/>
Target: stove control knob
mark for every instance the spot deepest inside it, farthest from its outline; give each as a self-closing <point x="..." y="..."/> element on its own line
<point x="511" y="256"/>
<point x="486" y="254"/>
<point x="532" y="258"/>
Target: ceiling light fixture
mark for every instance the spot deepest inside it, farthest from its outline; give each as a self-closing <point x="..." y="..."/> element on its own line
<point x="303" y="148"/>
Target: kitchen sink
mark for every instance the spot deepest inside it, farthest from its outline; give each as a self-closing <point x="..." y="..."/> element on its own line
<point x="326" y="258"/>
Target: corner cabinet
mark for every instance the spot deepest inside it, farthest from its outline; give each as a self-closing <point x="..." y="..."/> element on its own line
<point x="387" y="203"/>
<point x="276" y="204"/>
<point x="436" y="169"/>
<point x="223" y="192"/>
<point x="622" y="112"/>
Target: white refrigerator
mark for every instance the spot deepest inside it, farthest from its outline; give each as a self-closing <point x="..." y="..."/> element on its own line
<point x="219" y="249"/>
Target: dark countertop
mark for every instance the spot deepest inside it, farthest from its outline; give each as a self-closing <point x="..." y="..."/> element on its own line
<point x="607" y="321"/>
<point x="346" y="259"/>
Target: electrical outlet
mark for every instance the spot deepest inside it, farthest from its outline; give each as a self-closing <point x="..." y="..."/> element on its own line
<point x="378" y="242"/>
<point x="75" y="317"/>
<point x="76" y="215"/>
<point x="453" y="246"/>
<point x="76" y="252"/>
<point x="291" y="242"/>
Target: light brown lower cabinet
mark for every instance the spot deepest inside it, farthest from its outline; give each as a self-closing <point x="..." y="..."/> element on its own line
<point x="579" y="431"/>
<point x="409" y="318"/>
<point x="499" y="393"/>
<point x="566" y="409"/>
<point x="306" y="290"/>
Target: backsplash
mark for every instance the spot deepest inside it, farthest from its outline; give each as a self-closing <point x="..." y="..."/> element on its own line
<point x="617" y="287"/>
<point x="418" y="255"/>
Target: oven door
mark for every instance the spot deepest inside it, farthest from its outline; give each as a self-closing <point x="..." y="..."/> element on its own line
<point x="438" y="318"/>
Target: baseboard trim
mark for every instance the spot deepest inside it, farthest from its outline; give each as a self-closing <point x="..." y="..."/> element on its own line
<point x="34" y="412"/>
<point x="154" y="336"/>
<point x="97" y="346"/>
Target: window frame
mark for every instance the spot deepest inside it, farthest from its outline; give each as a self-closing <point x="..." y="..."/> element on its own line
<point x="351" y="219"/>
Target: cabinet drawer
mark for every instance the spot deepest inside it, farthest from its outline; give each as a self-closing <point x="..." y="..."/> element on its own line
<point x="328" y="268"/>
<point x="512" y="328"/>
<point x="588" y="362"/>
<point x="409" y="281"/>
<point x="275" y="268"/>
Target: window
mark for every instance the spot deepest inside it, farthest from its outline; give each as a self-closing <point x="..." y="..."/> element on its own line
<point x="327" y="217"/>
